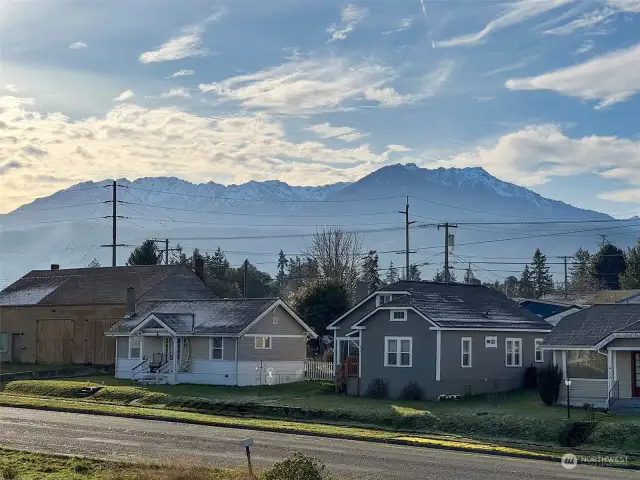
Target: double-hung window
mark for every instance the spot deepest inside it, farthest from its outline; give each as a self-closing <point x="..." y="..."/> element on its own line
<point x="263" y="343"/>
<point x="398" y="351"/>
<point x="217" y="348"/>
<point x="134" y="347"/>
<point x="398" y="315"/>
<point x="465" y="352"/>
<point x="539" y="352"/>
<point x="513" y="352"/>
<point x="382" y="299"/>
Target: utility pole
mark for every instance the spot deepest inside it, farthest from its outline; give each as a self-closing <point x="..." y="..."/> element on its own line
<point x="405" y="212"/>
<point x="566" y="277"/>
<point x="114" y="212"/>
<point x="114" y="219"/>
<point x="166" y="249"/>
<point x="245" y="265"/>
<point x="446" y="227"/>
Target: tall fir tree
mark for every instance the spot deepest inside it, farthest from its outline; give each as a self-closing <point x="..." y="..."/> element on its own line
<point x="282" y="268"/>
<point x="145" y="254"/>
<point x="608" y="265"/>
<point x="370" y="268"/>
<point x="414" y="273"/>
<point x="439" y="276"/>
<point x="392" y="275"/>
<point x="525" y="285"/>
<point x="541" y="278"/>
<point x="630" y="279"/>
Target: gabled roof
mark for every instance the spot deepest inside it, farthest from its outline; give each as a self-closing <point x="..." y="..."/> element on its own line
<point x="458" y="305"/>
<point x="215" y="316"/>
<point x="590" y="326"/>
<point x="104" y="285"/>
<point x="557" y="303"/>
<point x="612" y="296"/>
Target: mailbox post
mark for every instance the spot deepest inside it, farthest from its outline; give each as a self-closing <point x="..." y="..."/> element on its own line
<point x="246" y="443"/>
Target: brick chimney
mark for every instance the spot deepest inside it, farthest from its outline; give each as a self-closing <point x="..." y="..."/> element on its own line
<point x="55" y="266"/>
<point x="131" y="301"/>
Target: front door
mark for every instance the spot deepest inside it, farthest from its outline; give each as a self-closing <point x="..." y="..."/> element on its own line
<point x="16" y="347"/>
<point x="635" y="373"/>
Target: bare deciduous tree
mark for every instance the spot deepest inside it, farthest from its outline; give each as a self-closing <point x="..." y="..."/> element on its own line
<point x="337" y="253"/>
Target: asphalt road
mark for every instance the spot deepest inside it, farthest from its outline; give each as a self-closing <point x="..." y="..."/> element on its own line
<point x="145" y="440"/>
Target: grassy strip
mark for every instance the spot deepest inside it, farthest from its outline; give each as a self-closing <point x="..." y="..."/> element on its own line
<point x="22" y="465"/>
<point x="540" y="452"/>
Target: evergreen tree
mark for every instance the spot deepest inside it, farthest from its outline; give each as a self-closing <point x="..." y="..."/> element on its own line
<point x="511" y="286"/>
<point x="542" y="281"/>
<point x="414" y="273"/>
<point x="145" y="254"/>
<point x="526" y="289"/>
<point x="392" y="274"/>
<point x="608" y="265"/>
<point x="630" y="279"/>
<point x="439" y="276"/>
<point x="281" y="276"/>
<point x="94" y="264"/>
<point x="370" y="267"/>
<point x="319" y="302"/>
<point x="468" y="275"/>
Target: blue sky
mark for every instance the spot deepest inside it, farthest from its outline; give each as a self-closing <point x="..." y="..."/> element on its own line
<point x="541" y="93"/>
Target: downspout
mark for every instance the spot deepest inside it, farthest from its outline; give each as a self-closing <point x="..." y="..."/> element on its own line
<point x="236" y="360"/>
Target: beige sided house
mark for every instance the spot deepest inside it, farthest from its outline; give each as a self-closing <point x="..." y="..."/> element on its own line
<point x="215" y="342"/>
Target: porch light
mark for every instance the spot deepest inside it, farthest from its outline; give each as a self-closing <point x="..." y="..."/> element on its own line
<point x="567" y="382"/>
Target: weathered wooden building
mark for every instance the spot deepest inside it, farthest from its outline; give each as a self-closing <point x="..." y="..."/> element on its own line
<point x="61" y="316"/>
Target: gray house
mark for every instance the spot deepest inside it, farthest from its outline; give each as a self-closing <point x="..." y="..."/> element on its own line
<point x="454" y="339"/>
<point x="251" y="341"/>
<point x="598" y="349"/>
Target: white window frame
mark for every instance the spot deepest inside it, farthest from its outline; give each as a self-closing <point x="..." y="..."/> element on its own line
<point x="513" y="352"/>
<point x="275" y="320"/>
<point x="8" y="339"/>
<point x="379" y="303"/>
<point x="491" y="341"/>
<point x="393" y="319"/>
<point x="212" y="341"/>
<point x="538" y="350"/>
<point x="264" y="343"/>
<point x="462" y="342"/>
<point x="139" y="347"/>
<point x="399" y="341"/>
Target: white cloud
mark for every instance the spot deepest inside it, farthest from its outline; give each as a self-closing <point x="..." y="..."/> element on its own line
<point x="404" y="24"/>
<point x="625" y="195"/>
<point x="126" y="95"/>
<point x="134" y="142"/>
<point x="587" y="46"/>
<point x="515" y="13"/>
<point x="78" y="46"/>
<point x="610" y="78"/>
<point x="508" y="68"/>
<point x="176" y="92"/>
<point x="183" y="73"/>
<point x="534" y="154"/>
<point x="11" y="88"/>
<point x="586" y="20"/>
<point x="325" y="130"/>
<point x="189" y="44"/>
<point x="350" y="17"/>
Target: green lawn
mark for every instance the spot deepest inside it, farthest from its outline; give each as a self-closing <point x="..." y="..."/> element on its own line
<point x="514" y="418"/>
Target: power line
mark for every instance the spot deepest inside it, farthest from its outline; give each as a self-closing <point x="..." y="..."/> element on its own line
<point x="71" y="190"/>
<point x="198" y="222"/>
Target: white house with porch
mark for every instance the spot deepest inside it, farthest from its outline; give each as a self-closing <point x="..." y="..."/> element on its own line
<point x="598" y="350"/>
<point x="213" y="341"/>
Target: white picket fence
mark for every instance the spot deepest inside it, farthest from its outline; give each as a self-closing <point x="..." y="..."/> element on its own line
<point x="314" y="370"/>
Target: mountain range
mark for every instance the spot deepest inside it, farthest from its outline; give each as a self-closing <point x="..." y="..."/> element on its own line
<point x="496" y="221"/>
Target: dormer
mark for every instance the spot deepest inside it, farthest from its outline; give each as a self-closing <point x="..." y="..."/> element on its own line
<point x="383" y="298"/>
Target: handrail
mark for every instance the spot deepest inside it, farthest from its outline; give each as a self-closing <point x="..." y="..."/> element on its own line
<point x="140" y="364"/>
<point x="614" y="394"/>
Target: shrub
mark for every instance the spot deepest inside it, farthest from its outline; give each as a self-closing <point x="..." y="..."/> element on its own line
<point x="411" y="391"/>
<point x="377" y="388"/>
<point x="327" y="356"/>
<point x="530" y="378"/>
<point x="298" y="467"/>
<point x="549" y="380"/>
<point x="9" y="472"/>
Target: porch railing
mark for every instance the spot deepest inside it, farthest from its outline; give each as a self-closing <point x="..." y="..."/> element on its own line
<point x="614" y="394"/>
<point x="314" y="370"/>
<point x="139" y="369"/>
<point x="166" y="367"/>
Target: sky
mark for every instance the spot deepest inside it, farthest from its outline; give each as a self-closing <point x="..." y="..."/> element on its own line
<point x="541" y="93"/>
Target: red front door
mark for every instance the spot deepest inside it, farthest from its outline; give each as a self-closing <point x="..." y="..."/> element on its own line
<point x="635" y="373"/>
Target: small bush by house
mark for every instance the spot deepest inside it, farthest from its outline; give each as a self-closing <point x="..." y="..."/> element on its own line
<point x="378" y="388"/>
<point x="549" y="379"/>
<point x="411" y="391"/>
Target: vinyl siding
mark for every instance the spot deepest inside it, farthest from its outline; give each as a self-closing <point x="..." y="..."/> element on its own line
<point x="286" y="324"/>
<point x="251" y="373"/>
<point x="585" y="391"/>
<point x="282" y="349"/>
<point x="209" y="372"/>
<point x="123" y="347"/>
<point x="422" y="371"/>
<point x="625" y="342"/>
<point x="357" y="314"/>
<point x="623" y="371"/>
